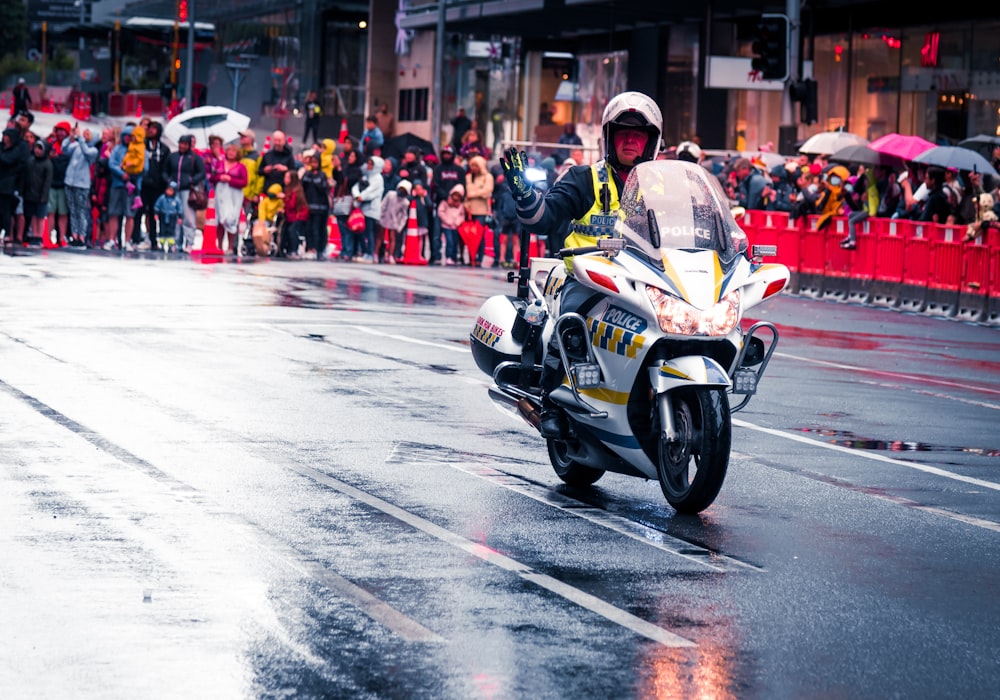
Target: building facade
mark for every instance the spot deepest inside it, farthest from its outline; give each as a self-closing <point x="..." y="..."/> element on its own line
<point x="514" y="65"/>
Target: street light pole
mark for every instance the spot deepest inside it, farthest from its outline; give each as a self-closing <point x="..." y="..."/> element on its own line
<point x="189" y="63"/>
<point x="82" y="44"/>
<point x="438" y="69"/>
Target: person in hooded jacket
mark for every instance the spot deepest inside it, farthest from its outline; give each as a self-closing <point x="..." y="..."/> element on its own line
<point x="14" y="154"/>
<point x="395" y="213"/>
<point x="82" y="156"/>
<point x="124" y="192"/>
<point x="451" y="214"/>
<point x="445" y="176"/>
<point x="187" y="169"/>
<point x="350" y="174"/>
<point x="367" y="194"/>
<point x="316" y="186"/>
<point x="155" y="181"/>
<point x="37" y="182"/>
<point x="783" y="187"/>
<point x="506" y="225"/>
<point x="58" y="207"/>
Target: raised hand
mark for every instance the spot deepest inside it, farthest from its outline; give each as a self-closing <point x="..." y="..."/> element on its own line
<point x="513" y="164"/>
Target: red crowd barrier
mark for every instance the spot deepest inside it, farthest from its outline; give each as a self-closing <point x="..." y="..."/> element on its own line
<point x="897" y="263"/>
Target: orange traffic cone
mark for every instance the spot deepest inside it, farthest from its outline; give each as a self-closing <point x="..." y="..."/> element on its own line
<point x="47" y="236"/>
<point x="209" y="244"/>
<point x="343" y="131"/>
<point x="412" y="254"/>
<point x="533" y="246"/>
<point x="267" y="143"/>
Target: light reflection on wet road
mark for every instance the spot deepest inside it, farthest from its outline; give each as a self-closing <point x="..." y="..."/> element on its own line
<point x="285" y="479"/>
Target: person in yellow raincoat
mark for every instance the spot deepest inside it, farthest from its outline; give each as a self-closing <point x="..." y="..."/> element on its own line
<point x="831" y="196"/>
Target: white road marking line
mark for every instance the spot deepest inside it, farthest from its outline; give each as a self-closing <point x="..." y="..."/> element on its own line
<point x="574" y="595"/>
<point x="867" y="455"/>
<point x="889" y="373"/>
<point x="616" y="523"/>
<point x="407" y="339"/>
<point x="968" y="519"/>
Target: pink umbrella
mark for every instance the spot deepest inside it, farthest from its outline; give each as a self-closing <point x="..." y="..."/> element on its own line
<point x="901" y="145"/>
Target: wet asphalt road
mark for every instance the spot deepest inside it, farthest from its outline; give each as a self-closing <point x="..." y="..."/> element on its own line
<point x="285" y="479"/>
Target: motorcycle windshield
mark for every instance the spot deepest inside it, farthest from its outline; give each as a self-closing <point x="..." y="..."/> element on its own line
<point x="675" y="204"/>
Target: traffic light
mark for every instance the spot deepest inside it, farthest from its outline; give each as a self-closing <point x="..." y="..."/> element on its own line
<point x="182" y="11"/>
<point x="804" y="92"/>
<point x="770" y="47"/>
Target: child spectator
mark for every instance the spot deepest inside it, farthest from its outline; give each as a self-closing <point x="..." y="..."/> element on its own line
<point x="425" y="212"/>
<point x="451" y="214"/>
<point x="395" y="212"/>
<point x="168" y="210"/>
<point x="134" y="160"/>
<point x="271" y="204"/>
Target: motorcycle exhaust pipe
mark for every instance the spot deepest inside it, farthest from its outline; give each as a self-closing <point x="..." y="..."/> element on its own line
<point x="529" y="412"/>
<point x="522" y="406"/>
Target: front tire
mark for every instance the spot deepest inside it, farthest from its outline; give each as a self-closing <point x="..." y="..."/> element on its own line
<point x="692" y="468"/>
<point x="570" y="471"/>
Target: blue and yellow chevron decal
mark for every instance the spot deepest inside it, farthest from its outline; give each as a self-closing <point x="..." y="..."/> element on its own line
<point x="553" y="284"/>
<point x="614" y="339"/>
<point x="485" y="333"/>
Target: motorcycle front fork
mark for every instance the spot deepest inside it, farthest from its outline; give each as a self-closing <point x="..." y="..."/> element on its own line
<point x="668" y="432"/>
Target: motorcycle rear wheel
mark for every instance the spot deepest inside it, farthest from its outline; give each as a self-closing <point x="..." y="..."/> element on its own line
<point x="570" y="471"/>
<point x="692" y="468"/>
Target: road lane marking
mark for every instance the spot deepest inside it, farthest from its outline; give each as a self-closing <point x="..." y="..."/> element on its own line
<point x="491" y="556"/>
<point x="896" y="375"/>
<point x="867" y="455"/>
<point x="376" y="609"/>
<point x="649" y="536"/>
<point x="968" y="519"/>
<point x="408" y="339"/>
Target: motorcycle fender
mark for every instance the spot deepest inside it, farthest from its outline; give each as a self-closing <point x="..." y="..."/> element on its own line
<point x="689" y="370"/>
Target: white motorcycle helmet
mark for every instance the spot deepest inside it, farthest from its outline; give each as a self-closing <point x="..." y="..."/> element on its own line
<point x="631" y="110"/>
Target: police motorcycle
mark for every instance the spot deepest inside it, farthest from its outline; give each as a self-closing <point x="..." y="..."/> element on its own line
<point x="655" y="369"/>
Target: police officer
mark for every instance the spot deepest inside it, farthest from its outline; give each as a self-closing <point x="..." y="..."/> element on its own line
<point x="587" y="196"/>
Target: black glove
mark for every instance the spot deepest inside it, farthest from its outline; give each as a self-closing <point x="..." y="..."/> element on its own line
<point x="513" y="163"/>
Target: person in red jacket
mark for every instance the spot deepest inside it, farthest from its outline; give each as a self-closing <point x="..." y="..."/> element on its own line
<point x="296" y="215"/>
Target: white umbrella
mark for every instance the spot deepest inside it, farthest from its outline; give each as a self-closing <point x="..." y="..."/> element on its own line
<point x="828" y="142"/>
<point x="769" y="159"/>
<point x="202" y="122"/>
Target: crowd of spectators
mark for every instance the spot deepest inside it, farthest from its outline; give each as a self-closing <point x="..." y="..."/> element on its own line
<point x="815" y="185"/>
<point x="109" y="191"/>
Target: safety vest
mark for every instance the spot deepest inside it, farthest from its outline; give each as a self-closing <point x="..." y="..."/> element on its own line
<point x="599" y="221"/>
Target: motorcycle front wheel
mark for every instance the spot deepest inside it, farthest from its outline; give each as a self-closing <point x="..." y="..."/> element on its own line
<point x="691" y="468"/>
<point x="570" y="471"/>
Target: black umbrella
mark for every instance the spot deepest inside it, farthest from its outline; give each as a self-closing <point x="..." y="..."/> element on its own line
<point x="398" y="145"/>
<point x="983" y="144"/>
<point x="860" y="153"/>
<point x="957" y="158"/>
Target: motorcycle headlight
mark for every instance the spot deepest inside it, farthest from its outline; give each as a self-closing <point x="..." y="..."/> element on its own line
<point x="680" y="318"/>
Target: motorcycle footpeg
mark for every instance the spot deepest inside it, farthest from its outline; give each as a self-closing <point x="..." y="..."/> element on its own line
<point x="566" y="398"/>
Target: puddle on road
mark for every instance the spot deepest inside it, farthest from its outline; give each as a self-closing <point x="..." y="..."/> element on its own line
<point x="845" y="438"/>
<point x="325" y="293"/>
